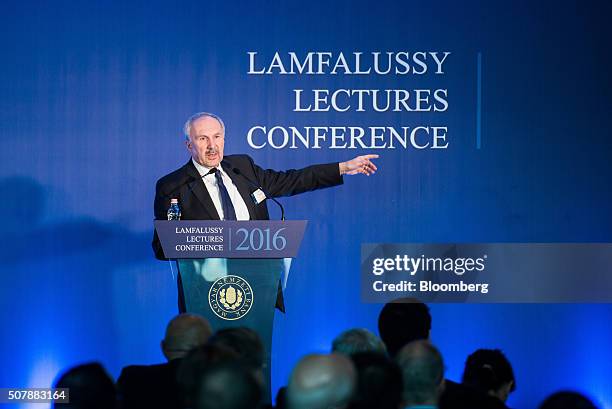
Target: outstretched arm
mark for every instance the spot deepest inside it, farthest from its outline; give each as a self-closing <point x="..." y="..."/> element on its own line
<point x="360" y="164"/>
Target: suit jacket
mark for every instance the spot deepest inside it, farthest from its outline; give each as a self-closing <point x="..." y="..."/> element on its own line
<point x="187" y="186"/>
<point x="459" y="396"/>
<point x="149" y="387"/>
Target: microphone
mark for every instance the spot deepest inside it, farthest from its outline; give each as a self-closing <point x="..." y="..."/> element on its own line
<point x="260" y="191"/>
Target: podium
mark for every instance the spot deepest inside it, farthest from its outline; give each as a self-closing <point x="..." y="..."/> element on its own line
<point x="231" y="270"/>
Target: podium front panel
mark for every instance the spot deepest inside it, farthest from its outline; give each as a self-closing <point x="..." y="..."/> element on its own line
<point x="234" y="293"/>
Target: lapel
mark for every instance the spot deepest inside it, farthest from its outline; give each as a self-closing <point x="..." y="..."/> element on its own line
<point x="242" y="185"/>
<point x="198" y="188"/>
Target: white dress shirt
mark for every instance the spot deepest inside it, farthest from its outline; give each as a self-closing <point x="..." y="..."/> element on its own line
<point x="210" y="181"/>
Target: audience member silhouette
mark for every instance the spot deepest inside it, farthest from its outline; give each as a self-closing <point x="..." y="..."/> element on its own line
<point x="567" y="400"/>
<point x="195" y="363"/>
<point x="90" y="387"/>
<point x="358" y="340"/>
<point x="245" y="342"/>
<point x="321" y="382"/>
<point x="422" y="373"/>
<point x="402" y="321"/>
<point x="229" y="385"/>
<point x="184" y="333"/>
<point x="489" y="371"/>
<point x="136" y="383"/>
<point x="249" y="347"/>
<point x="407" y="320"/>
<point x="379" y="382"/>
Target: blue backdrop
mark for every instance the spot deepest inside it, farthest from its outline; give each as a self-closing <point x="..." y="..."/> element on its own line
<point x="93" y="97"/>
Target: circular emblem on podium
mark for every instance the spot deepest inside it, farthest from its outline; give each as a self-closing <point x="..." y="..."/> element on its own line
<point x="230" y="297"/>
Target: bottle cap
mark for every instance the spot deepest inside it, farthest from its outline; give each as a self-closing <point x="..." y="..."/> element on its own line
<point x="173" y="201"/>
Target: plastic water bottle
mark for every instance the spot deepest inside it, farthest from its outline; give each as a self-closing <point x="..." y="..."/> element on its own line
<point x="174" y="212"/>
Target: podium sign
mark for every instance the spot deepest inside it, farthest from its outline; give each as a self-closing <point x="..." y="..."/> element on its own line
<point x="230" y="239"/>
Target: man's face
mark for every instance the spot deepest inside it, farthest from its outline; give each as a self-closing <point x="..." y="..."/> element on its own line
<point x="206" y="141"/>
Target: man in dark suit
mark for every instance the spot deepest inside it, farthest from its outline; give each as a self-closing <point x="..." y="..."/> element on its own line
<point x="407" y="320"/>
<point x="155" y="386"/>
<point x="212" y="186"/>
<point x="200" y="184"/>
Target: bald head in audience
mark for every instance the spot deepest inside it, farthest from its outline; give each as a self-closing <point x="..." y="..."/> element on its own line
<point x="183" y="333"/>
<point x="321" y="382"/>
<point x="423" y="373"/>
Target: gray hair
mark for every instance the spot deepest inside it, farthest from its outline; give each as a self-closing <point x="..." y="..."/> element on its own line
<point x="422" y="372"/>
<point x="358" y="340"/>
<point x="335" y="381"/>
<point x="195" y="117"/>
